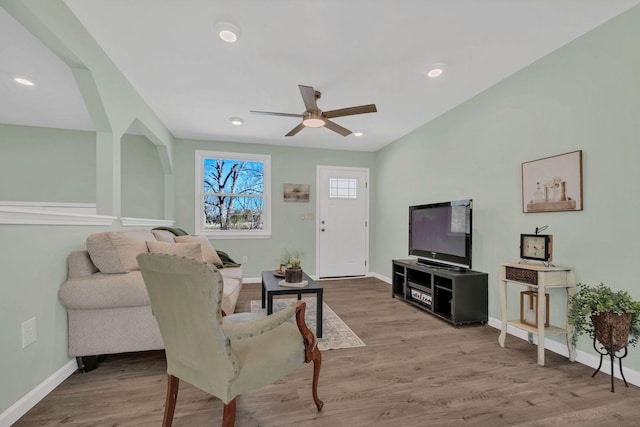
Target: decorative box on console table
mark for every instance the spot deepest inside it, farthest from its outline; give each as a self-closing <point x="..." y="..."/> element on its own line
<point x="538" y="278"/>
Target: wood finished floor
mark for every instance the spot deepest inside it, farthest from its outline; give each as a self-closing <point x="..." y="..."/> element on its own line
<point x="416" y="370"/>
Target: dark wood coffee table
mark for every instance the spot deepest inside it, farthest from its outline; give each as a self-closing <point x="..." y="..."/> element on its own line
<point x="270" y="287"/>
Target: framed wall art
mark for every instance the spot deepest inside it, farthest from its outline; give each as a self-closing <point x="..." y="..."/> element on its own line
<point x="553" y="184"/>
<point x="296" y="192"/>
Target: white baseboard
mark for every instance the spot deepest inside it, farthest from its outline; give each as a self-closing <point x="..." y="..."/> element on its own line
<point x="28" y="401"/>
<point x="380" y="277"/>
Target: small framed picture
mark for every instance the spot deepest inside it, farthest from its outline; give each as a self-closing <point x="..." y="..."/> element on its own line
<point x="553" y="184"/>
<point x="296" y="192"/>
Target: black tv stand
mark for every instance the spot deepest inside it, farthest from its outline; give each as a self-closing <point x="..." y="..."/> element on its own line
<point x="458" y="297"/>
<point x="440" y="266"/>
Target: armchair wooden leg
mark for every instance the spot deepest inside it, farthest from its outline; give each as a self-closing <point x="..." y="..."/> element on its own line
<point x="170" y="402"/>
<point x="229" y="414"/>
<point x="311" y="350"/>
<point x="317" y="362"/>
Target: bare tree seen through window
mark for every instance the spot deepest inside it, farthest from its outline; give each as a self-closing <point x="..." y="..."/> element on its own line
<point x="233" y="194"/>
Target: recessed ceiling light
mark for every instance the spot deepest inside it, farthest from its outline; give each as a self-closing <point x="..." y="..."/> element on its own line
<point x="23" y="80"/>
<point x="236" y="121"/>
<point x="227" y="32"/>
<point x="435" y="70"/>
<point x="358" y="133"/>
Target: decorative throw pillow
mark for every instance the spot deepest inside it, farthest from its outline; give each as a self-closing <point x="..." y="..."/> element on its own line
<point x="209" y="253"/>
<point x="187" y="250"/>
<point x="116" y="252"/>
<point x="163" y="236"/>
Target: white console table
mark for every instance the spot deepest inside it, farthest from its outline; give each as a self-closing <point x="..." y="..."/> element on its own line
<point x="538" y="278"/>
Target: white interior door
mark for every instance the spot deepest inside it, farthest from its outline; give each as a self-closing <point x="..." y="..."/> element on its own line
<point x="343" y="221"/>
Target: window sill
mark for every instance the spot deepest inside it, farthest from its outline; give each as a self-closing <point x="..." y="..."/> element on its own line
<point x="231" y="235"/>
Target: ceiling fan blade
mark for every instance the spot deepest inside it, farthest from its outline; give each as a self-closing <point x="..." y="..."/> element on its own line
<point x="295" y="130"/>
<point x="362" y="109"/>
<point x="309" y="97"/>
<point x="271" y="113"/>
<point x="336" y="128"/>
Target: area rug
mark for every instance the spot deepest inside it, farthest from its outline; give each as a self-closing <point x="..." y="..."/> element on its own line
<point x="335" y="333"/>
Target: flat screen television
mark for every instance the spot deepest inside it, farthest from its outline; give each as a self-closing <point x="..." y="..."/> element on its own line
<point x="440" y="233"/>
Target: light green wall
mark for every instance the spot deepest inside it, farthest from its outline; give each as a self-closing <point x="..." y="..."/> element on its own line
<point x="142" y="179"/>
<point x="585" y="96"/>
<point x="33" y="266"/>
<point x="34" y="261"/>
<point x="31" y="170"/>
<point x="45" y="165"/>
<point x="289" y="231"/>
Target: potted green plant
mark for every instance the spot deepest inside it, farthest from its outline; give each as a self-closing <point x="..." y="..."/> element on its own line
<point x="293" y="272"/>
<point x="292" y="267"/>
<point x="611" y="317"/>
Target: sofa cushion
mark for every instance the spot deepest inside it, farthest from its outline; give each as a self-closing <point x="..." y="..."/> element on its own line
<point x="188" y="250"/>
<point x="100" y="291"/>
<point x="209" y="253"/>
<point x="163" y="236"/>
<point x="116" y="252"/>
<point x="80" y="265"/>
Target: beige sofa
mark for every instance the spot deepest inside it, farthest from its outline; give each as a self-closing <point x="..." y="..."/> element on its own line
<point x="108" y="307"/>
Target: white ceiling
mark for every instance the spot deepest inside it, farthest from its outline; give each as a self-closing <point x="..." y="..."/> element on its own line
<point x="355" y="52"/>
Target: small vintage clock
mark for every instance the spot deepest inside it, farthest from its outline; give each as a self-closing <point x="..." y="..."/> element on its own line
<point x="536" y="246"/>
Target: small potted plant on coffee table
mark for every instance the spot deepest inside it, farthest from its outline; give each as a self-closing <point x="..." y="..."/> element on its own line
<point x="609" y="317"/>
<point x="293" y="271"/>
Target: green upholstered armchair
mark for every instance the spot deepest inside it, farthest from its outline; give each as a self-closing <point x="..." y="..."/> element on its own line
<point x="222" y="358"/>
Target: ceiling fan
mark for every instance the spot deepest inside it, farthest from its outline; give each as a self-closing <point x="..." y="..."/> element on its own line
<point x="314" y="117"/>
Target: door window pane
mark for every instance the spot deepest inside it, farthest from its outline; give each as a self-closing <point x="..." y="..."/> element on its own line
<point x="343" y="188"/>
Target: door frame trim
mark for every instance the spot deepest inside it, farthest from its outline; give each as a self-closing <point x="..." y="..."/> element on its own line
<point x="367" y="214"/>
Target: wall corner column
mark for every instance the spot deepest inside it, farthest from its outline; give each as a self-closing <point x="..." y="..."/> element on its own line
<point x="108" y="181"/>
<point x="169" y="196"/>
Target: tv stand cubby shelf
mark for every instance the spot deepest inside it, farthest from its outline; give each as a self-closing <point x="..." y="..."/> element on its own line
<point x="458" y="297"/>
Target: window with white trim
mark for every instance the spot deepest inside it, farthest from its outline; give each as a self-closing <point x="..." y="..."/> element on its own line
<point x="233" y="194"/>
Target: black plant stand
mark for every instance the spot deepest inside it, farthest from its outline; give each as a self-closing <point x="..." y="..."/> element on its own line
<point x="612" y="355"/>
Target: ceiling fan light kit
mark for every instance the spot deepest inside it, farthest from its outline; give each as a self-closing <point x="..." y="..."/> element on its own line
<point x="314" y="117"/>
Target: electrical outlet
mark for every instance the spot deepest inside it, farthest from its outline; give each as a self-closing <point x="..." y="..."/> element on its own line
<point x="244" y="258"/>
<point x="29" y="334"/>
